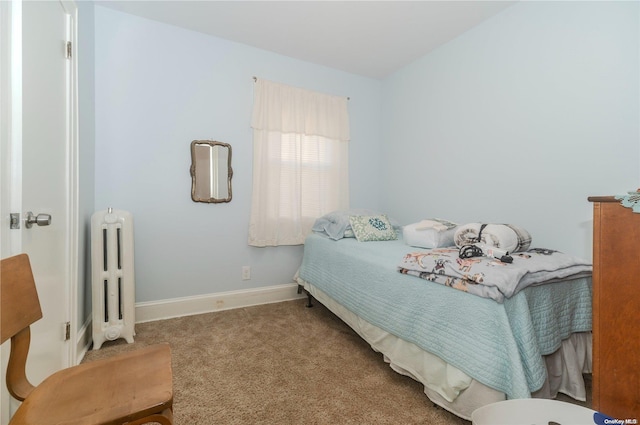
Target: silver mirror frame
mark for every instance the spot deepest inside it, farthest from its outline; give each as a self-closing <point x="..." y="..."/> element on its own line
<point x="210" y="200"/>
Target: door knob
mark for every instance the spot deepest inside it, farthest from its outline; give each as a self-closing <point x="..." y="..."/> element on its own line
<point x="40" y="220"/>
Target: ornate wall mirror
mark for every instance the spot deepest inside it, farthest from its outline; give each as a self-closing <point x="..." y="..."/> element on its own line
<point x="211" y="171"/>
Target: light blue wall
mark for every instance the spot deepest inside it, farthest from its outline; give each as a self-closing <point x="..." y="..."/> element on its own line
<point x="518" y="121"/>
<point x="157" y="88"/>
<point x="86" y="155"/>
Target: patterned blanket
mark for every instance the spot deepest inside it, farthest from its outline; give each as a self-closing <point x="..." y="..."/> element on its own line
<point x="490" y="278"/>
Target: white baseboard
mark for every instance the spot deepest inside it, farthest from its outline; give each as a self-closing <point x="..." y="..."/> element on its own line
<point x="188" y="306"/>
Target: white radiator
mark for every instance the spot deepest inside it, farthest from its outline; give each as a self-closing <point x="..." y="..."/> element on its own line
<point x="113" y="284"/>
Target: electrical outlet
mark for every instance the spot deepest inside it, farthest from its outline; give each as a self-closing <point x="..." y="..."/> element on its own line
<point x="246" y="272"/>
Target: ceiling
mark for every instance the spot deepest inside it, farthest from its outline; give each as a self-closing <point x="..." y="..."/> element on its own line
<point x="368" y="38"/>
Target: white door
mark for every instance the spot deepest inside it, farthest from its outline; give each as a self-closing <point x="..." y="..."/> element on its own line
<point x="41" y="141"/>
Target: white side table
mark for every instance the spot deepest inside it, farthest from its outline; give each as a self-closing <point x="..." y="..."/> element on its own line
<point x="532" y="411"/>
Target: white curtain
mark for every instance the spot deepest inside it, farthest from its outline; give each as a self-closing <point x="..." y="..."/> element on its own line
<point x="300" y="161"/>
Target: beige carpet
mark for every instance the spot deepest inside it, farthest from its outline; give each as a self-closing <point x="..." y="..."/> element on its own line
<point x="280" y="363"/>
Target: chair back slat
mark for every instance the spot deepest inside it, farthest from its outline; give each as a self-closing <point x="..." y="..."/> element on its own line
<point x="19" y="303"/>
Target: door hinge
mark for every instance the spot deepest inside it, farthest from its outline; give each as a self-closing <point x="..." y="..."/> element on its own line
<point x="67" y="331"/>
<point x="68" y="50"/>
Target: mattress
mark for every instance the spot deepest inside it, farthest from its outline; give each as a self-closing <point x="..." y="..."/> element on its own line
<point x="498" y="346"/>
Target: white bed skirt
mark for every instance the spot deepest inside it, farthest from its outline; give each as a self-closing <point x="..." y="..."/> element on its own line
<point x="448" y="386"/>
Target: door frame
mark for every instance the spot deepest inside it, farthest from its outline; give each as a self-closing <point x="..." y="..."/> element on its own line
<point x="6" y="101"/>
<point x="73" y="158"/>
<point x="11" y="165"/>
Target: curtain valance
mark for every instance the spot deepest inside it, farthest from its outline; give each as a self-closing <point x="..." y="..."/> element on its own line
<point x="286" y="109"/>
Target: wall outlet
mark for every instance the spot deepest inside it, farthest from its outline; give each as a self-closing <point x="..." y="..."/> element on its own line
<point x="246" y="272"/>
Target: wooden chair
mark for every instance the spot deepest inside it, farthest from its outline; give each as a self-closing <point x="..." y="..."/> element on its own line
<point x="133" y="388"/>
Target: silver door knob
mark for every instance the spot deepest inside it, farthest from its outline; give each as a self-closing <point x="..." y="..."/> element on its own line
<point x="40" y="220"/>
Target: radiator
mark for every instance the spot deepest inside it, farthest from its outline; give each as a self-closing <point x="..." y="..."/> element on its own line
<point x="112" y="276"/>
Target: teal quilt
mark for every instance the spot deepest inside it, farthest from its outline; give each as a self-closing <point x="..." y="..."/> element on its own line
<point x="499" y="344"/>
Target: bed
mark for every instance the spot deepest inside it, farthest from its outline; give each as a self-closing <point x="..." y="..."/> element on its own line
<point x="467" y="350"/>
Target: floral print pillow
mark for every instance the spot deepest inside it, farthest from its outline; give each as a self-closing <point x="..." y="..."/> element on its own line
<point x="372" y="228"/>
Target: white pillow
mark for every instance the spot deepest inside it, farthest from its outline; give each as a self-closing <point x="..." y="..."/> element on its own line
<point x="431" y="233"/>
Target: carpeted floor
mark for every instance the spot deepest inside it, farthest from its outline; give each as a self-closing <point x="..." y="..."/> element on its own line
<point x="280" y="363"/>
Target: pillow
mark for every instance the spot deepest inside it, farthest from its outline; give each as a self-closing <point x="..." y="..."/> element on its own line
<point x="336" y="224"/>
<point x="431" y="233"/>
<point x="372" y="228"/>
<point x="508" y="237"/>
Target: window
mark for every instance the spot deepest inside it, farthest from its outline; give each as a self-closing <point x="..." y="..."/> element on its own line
<point x="300" y="162"/>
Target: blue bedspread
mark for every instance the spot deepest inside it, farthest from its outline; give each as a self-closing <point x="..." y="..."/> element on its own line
<point x="500" y="345"/>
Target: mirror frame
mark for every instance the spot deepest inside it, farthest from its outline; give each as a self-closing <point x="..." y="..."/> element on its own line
<point x="192" y="170"/>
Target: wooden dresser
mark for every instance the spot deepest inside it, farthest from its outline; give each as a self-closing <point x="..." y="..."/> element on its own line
<point x="616" y="309"/>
